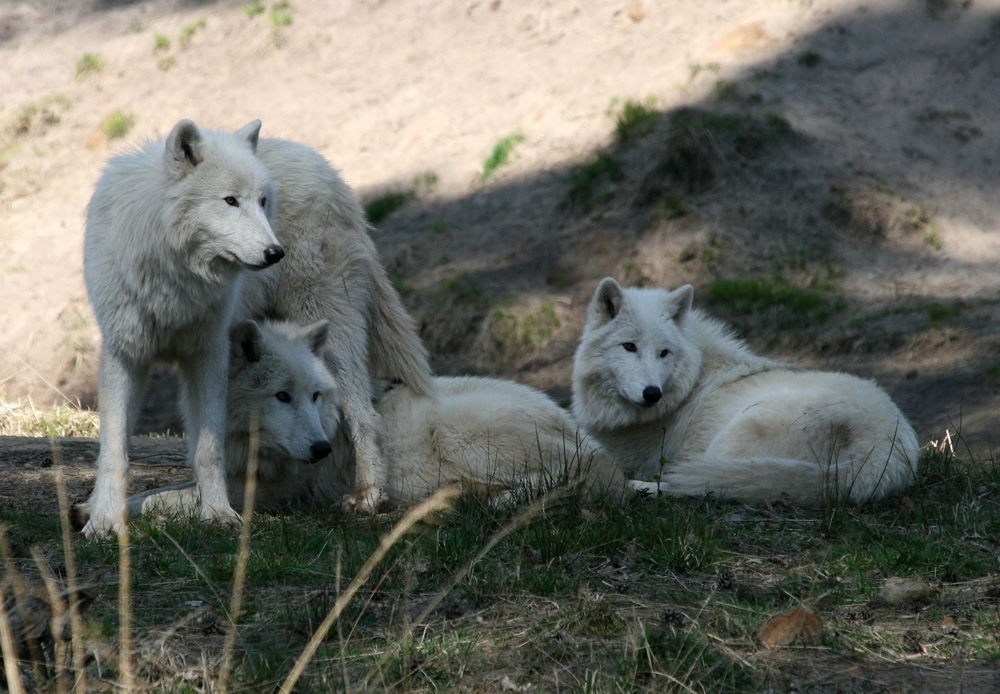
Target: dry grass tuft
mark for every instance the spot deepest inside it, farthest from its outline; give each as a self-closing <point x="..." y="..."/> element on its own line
<point x="20" y="419"/>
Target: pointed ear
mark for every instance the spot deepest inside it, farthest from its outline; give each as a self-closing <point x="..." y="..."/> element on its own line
<point x="245" y="341"/>
<point x="607" y="302"/>
<point x="251" y="133"/>
<point x="184" y="147"/>
<point x="679" y="303"/>
<point x="315" y="336"/>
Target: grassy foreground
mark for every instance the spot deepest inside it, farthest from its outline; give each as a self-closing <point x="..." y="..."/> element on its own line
<point x="555" y="594"/>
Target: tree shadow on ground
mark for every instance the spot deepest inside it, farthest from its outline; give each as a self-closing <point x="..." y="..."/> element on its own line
<point x="52" y="17"/>
<point x="849" y="168"/>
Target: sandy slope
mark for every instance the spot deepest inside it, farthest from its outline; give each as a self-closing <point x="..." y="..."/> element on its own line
<point x="894" y="118"/>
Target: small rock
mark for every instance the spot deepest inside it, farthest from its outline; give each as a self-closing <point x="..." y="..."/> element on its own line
<point x="899" y="591"/>
<point x="637" y="10"/>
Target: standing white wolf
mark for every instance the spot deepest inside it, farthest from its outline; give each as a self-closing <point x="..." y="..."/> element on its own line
<point x="485" y="434"/>
<point x="672" y="395"/>
<point x="169" y="229"/>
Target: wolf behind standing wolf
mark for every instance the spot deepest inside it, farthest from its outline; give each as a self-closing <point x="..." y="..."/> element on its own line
<point x="171" y="228"/>
<point x="671" y="395"/>
<point x="487" y="435"/>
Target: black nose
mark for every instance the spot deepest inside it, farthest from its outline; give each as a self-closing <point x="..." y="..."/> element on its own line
<point x="273" y="254"/>
<point x="319" y="450"/>
<point x="651" y="394"/>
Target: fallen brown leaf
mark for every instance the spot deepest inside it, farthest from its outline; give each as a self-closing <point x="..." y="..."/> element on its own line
<point x="796" y="624"/>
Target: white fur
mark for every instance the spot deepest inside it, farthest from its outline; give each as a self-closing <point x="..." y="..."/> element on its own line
<point x="163" y="254"/>
<point x="729" y="422"/>
<point x="485" y="434"/>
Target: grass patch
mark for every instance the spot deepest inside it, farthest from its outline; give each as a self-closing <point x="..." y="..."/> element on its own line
<point x="573" y="595"/>
<point x="785" y="304"/>
<point x="723" y="89"/>
<point x="500" y="155"/>
<point x="89" y="64"/>
<point x="189" y="30"/>
<point x="635" y="118"/>
<point x="252" y="9"/>
<point x="809" y="59"/>
<point x="18" y="419"/>
<point x="592" y="179"/>
<point x="161" y="43"/>
<point x="281" y="14"/>
<point x="932" y="236"/>
<point x="515" y="331"/>
<point x="118" y="124"/>
<point x="384" y="205"/>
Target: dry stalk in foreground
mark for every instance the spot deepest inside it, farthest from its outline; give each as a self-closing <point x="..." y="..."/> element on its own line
<point x="242" y="555"/>
<point x="439" y="501"/>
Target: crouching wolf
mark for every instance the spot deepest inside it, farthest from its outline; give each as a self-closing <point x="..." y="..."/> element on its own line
<point x="488" y="435"/>
<point x="170" y="229"/>
<point x="672" y="395"/>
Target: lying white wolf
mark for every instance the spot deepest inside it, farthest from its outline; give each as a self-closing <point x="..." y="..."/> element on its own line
<point x="671" y="395"/>
<point x="488" y="435"/>
<point x="170" y="228"/>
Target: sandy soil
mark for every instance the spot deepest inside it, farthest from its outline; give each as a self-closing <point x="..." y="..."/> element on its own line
<point x="883" y="182"/>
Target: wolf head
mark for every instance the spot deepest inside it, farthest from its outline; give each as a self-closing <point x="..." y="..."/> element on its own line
<point x="636" y="361"/>
<point x="222" y="195"/>
<point x="279" y="383"/>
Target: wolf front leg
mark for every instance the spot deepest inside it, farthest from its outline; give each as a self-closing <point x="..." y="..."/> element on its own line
<point x="362" y="424"/>
<point x="119" y="383"/>
<point x="205" y="381"/>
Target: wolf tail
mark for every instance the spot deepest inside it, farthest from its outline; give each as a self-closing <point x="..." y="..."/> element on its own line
<point x="798" y="482"/>
<point x="396" y="350"/>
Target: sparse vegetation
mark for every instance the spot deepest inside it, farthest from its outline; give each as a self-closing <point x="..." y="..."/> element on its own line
<point x="500" y="154"/>
<point x="583" y="179"/>
<point x="161" y="43"/>
<point x="384" y="205"/>
<point x="932" y="236"/>
<point x="36" y="119"/>
<point x="89" y="64"/>
<point x="19" y="419"/>
<point x="659" y="595"/>
<point x="810" y="59"/>
<point x="252" y="9"/>
<point x="635" y="118"/>
<point x="515" y="330"/>
<point x="755" y="302"/>
<point x="723" y="89"/>
<point x="189" y="30"/>
<point x="118" y="124"/>
<point x="281" y="14"/>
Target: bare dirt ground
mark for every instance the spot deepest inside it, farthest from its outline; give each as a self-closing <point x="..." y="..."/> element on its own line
<point x="861" y="158"/>
<point x="839" y="146"/>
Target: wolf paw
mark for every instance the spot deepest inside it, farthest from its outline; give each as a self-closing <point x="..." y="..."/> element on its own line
<point x="365" y="502"/>
<point x="101" y="528"/>
<point x="221" y="516"/>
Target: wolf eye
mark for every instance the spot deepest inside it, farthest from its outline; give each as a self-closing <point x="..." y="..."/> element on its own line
<point x="263" y="202"/>
<point x="664" y="353"/>
<point x="316" y="396"/>
<point x="231" y="201"/>
<point x="283" y="396"/>
<point x="629" y="346"/>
